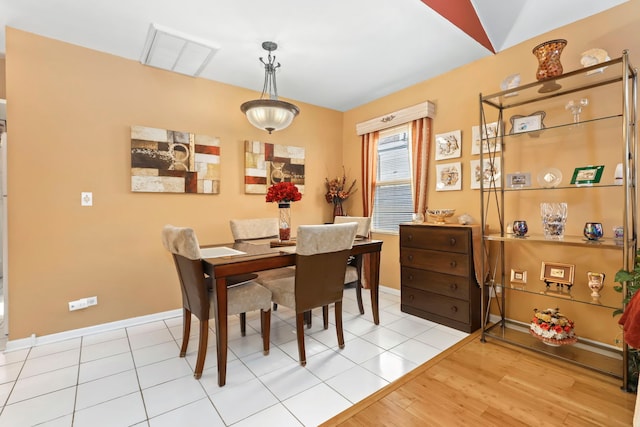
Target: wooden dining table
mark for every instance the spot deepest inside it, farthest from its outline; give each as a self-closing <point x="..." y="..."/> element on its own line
<point x="260" y="256"/>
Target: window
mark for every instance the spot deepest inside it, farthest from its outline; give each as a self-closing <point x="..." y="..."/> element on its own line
<point x="393" y="200"/>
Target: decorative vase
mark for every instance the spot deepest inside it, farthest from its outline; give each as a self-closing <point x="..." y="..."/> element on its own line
<point x="593" y="230"/>
<point x="337" y="209"/>
<point x="554" y="218"/>
<point x="520" y="228"/>
<point x="549" y="66"/>
<point x="596" y="282"/>
<point x="285" y="220"/>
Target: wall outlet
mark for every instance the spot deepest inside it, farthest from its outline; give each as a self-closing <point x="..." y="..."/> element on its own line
<point x="92" y="301"/>
<point x="492" y="292"/>
<point x="82" y="303"/>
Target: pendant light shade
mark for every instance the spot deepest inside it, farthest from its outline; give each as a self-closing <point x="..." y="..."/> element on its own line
<point x="269" y="113"/>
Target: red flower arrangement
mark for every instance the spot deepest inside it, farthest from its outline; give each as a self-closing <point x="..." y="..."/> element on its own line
<point x="283" y="192"/>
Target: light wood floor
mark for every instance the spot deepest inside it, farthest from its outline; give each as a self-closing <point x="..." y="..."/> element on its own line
<point x="494" y="384"/>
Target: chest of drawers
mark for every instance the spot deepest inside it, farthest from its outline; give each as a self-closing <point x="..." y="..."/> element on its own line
<point x="437" y="275"/>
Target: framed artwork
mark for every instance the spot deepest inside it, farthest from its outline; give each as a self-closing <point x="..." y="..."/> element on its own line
<point x="169" y="161"/>
<point x="533" y="122"/>
<point x="554" y="272"/>
<point x="490" y="135"/>
<point x="587" y="175"/>
<point x="3" y="126"/>
<point x="448" y="145"/>
<point x="519" y="180"/>
<point x="449" y="177"/>
<point x="518" y="278"/>
<point x="267" y="164"/>
<point x="488" y="173"/>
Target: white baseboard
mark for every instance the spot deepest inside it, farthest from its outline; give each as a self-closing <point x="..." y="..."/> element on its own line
<point x="33" y="341"/>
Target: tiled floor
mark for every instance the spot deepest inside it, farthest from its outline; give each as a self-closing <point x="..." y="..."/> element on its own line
<point x="134" y="377"/>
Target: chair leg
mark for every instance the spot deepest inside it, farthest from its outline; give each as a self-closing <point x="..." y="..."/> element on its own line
<point x="265" y="326"/>
<point x="307" y="318"/>
<point x="300" y="336"/>
<point x="325" y="316"/>
<point x="243" y="324"/>
<point x="359" y="296"/>
<point x="338" y="310"/>
<point x="202" y="348"/>
<point x="186" y="331"/>
<point x="275" y="307"/>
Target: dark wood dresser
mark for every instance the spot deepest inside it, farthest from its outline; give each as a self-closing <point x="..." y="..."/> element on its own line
<point x="438" y="281"/>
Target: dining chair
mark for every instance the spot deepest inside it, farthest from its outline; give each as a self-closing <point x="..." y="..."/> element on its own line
<point x="321" y="261"/>
<point x="252" y="229"/>
<point x="198" y="293"/>
<point x="354" y="266"/>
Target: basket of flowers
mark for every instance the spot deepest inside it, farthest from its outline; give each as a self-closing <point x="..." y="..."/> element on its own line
<point x="552" y="327"/>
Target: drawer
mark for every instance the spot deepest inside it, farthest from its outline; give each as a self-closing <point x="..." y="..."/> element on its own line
<point x="452" y="239"/>
<point x="450" y="308"/>
<point x="438" y="283"/>
<point x="438" y="261"/>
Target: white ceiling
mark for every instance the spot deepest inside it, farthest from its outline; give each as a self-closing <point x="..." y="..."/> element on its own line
<point x="337" y="54"/>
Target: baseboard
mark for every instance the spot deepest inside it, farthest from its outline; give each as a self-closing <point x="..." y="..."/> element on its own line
<point x="33" y="341"/>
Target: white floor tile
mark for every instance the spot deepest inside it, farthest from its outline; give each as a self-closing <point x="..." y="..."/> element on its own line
<point x="389" y="366"/>
<point x="44" y="383"/>
<point x="415" y="351"/>
<point x="150" y="338"/>
<point x="260" y="364"/>
<point x="275" y="416"/>
<point x="57" y="347"/>
<point x="9" y="357"/>
<point x="50" y="362"/>
<point x="10" y="372"/>
<point x="171" y="395"/>
<point x="328" y="364"/>
<point x="316" y="405"/>
<point x="359" y="350"/>
<point x="410" y="326"/>
<point x="385" y="338"/>
<point x="156" y="353"/>
<point x="123" y="411"/>
<point x="104" y="349"/>
<point x="164" y="371"/>
<point x="234" y="405"/>
<point x="103" y="337"/>
<point x="104" y="367"/>
<point x="438" y="338"/>
<point x="237" y="373"/>
<point x="107" y="388"/>
<point x="356" y="383"/>
<point x="289" y="381"/>
<point x="40" y="409"/>
<point x="197" y="414"/>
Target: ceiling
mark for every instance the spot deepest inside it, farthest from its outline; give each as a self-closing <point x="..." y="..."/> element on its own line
<point x="337" y="54"/>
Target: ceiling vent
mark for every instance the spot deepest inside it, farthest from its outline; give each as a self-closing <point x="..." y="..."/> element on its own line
<point x="170" y="50"/>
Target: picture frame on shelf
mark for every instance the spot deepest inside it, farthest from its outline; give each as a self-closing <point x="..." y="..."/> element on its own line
<point x="555" y="272"/>
<point x="489" y="138"/>
<point x="518" y="180"/>
<point x="587" y="175"/>
<point x="530" y="123"/>
<point x="489" y="173"/>
<point x="518" y="277"/>
<point x="449" y="176"/>
<point x="449" y="145"/>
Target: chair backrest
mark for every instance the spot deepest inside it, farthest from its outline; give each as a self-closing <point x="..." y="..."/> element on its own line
<point x="321" y="261"/>
<point x="364" y="223"/>
<point x="183" y="245"/>
<point x="256" y="228"/>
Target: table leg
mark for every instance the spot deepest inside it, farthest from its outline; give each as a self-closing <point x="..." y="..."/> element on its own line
<point x="374" y="278"/>
<point x="221" y="329"/>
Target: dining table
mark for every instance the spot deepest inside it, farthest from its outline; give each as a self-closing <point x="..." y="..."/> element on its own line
<point x="222" y="261"/>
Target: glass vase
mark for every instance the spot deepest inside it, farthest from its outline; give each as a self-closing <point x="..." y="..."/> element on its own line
<point x="337" y="209"/>
<point x="554" y="218"/>
<point x="549" y="65"/>
<point x="284" y="221"/>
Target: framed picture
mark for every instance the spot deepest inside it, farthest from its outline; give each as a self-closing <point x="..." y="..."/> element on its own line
<point x="557" y="273"/>
<point x="3" y="126"/>
<point x="448" y="145"/>
<point x="449" y="177"/>
<point x="533" y="122"/>
<point x="490" y="135"/>
<point x="518" y="180"/>
<point x="518" y="277"/>
<point x="587" y="175"/>
<point x="489" y="173"/>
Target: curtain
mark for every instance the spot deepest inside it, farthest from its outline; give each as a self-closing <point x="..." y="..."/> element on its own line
<point x="420" y="147"/>
<point x="369" y="175"/>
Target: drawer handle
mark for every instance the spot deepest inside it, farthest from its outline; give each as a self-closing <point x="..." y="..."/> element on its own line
<point x="410" y="257"/>
<point x="410" y="277"/>
<point x="411" y="297"/>
<point x="454" y="309"/>
<point x="452" y="241"/>
<point x="453" y="286"/>
<point x="452" y="264"/>
<point x="410" y="237"/>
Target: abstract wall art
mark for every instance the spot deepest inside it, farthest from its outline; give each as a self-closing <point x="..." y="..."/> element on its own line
<point x="167" y="161"/>
<point x="267" y="164"/>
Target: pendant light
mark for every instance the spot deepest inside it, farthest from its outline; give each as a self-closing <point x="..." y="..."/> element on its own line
<point x="270" y="113"/>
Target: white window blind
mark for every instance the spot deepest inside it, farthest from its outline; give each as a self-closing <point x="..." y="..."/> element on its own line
<point x="393" y="201"/>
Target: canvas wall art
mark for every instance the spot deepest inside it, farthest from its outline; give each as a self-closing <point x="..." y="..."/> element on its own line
<point x="448" y="145"/>
<point x="267" y="164"/>
<point x="168" y="161"/>
<point x="449" y="176"/>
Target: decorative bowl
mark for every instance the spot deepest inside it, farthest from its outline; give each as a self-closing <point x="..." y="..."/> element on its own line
<point x="440" y="214"/>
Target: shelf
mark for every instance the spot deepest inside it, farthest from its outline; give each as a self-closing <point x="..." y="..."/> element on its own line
<point x="606" y="243"/>
<point x="559" y="297"/>
<point x="563" y="129"/>
<point x="564" y="187"/>
<point x="586" y="354"/>
<point x="570" y="82"/>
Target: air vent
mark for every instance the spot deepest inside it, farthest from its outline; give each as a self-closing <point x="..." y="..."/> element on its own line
<point x="171" y="50"/>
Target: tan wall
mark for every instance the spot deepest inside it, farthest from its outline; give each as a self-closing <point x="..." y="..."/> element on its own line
<point x="456" y="97"/>
<point x="71" y="110"/>
<point x="3" y="80"/>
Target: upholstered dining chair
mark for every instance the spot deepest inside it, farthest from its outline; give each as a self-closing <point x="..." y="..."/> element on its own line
<point x="198" y="292"/>
<point x="354" y="266"/>
<point x="246" y="230"/>
<point x="321" y="261"/>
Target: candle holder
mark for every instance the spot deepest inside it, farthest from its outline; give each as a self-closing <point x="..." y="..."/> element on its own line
<point x="576" y="108"/>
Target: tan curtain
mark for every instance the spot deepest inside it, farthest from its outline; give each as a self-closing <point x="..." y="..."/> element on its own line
<point x="420" y="144"/>
<point x="369" y="175"/>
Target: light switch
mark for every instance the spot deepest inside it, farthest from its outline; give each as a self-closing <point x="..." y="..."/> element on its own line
<point x="86" y="199"/>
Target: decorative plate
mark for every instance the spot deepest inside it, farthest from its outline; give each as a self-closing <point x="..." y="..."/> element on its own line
<point x="549" y="178"/>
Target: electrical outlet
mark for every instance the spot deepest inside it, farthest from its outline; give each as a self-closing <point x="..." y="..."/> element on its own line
<point x="492" y="292"/>
<point x="77" y="304"/>
<point x="92" y="301"/>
